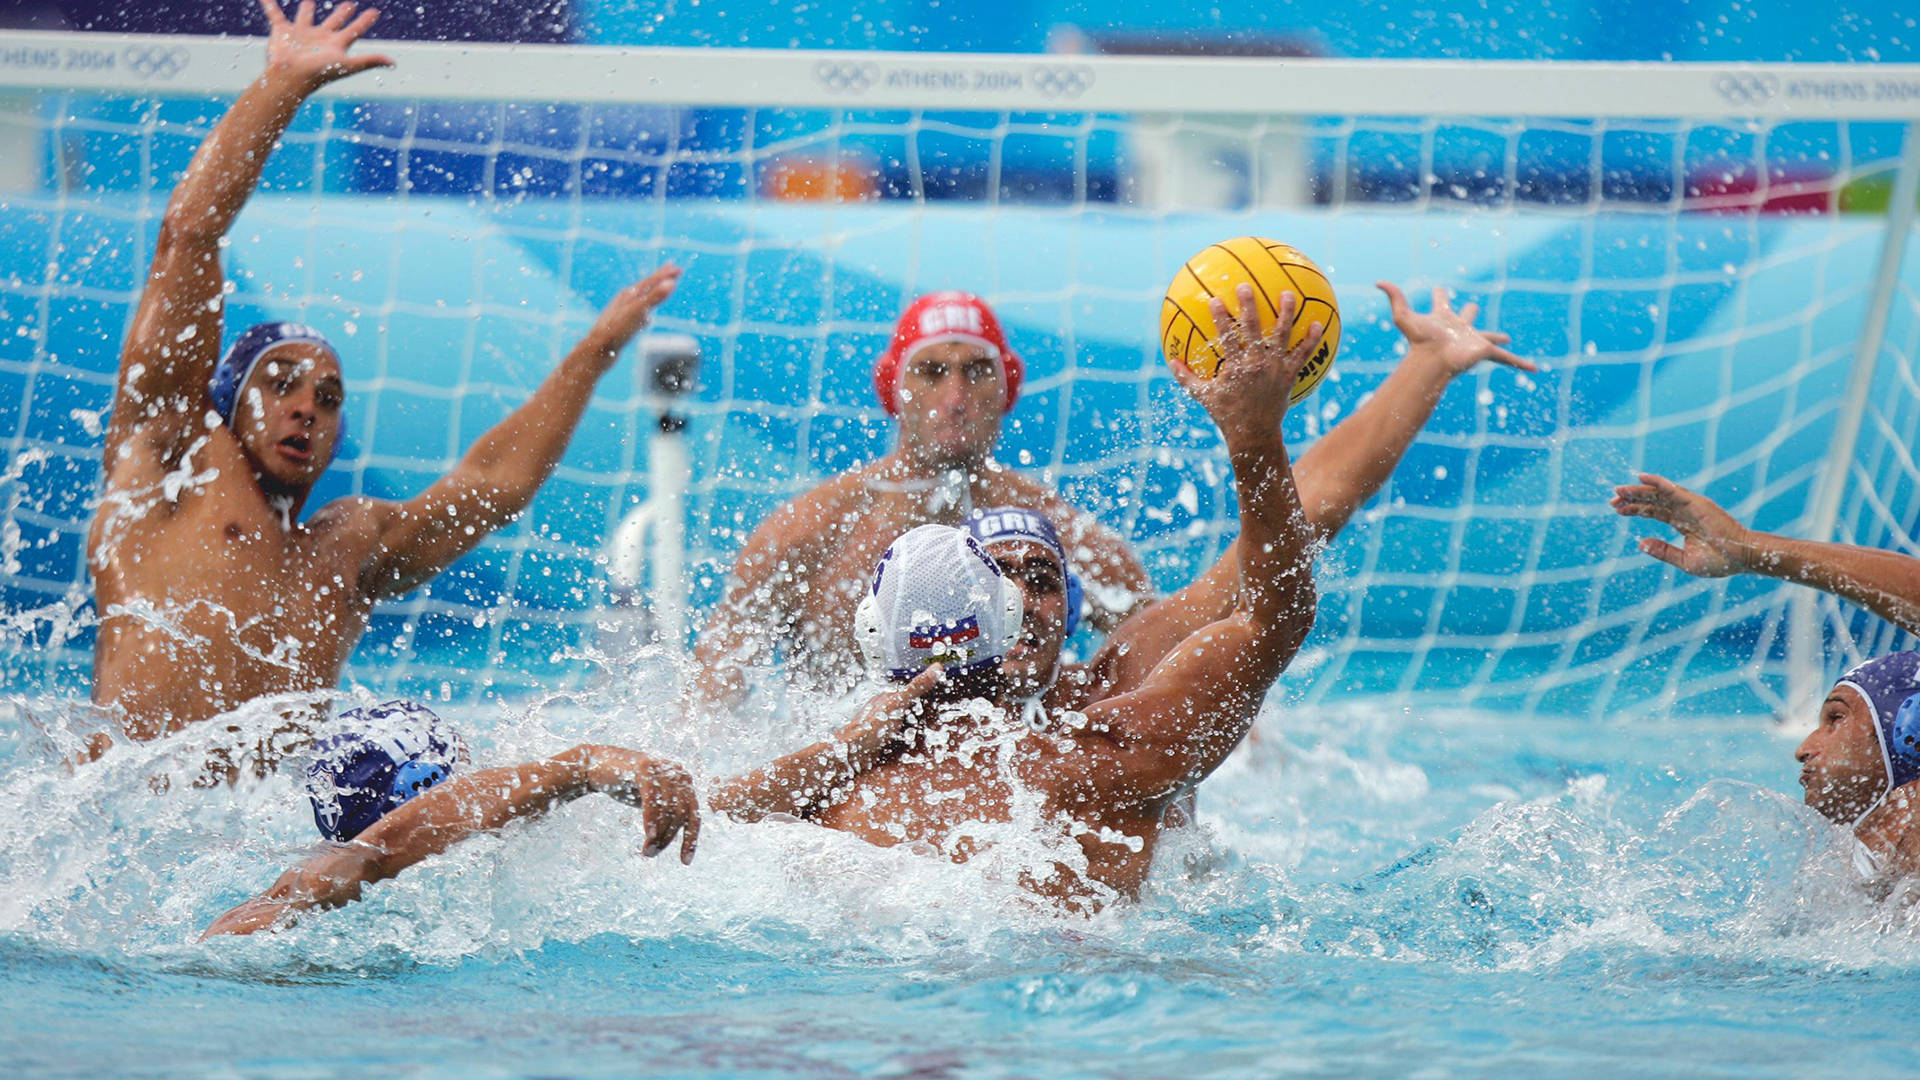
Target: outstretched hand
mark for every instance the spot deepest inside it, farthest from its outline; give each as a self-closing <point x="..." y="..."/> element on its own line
<point x="315" y="53"/>
<point x="630" y="310"/>
<point x="1710" y="537"/>
<point x="661" y="790"/>
<point x="1250" y="390"/>
<point x="1449" y="336"/>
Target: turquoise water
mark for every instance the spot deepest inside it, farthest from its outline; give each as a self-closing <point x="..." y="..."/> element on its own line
<point x="1369" y="892"/>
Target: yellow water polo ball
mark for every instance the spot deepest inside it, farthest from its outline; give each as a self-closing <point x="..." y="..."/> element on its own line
<point x="1272" y="268"/>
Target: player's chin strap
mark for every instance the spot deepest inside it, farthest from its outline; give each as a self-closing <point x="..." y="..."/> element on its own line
<point x="1033" y="713"/>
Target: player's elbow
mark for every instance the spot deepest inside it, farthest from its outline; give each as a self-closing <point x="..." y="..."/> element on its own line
<point x="184" y="233"/>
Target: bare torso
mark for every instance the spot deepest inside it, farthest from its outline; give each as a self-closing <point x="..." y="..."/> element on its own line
<point x="208" y="597"/>
<point x="1052" y="783"/>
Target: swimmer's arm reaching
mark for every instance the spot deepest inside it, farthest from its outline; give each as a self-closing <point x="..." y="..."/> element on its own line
<point x="436" y="820"/>
<point x="1335" y="477"/>
<point x="1713" y="544"/>
<point x="175" y="339"/>
<point x="503" y="470"/>
<point x="807" y="782"/>
<point x="1340" y="472"/>
<point x="1196" y="705"/>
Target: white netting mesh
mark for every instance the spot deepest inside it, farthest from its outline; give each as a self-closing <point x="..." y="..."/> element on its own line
<point x="1695" y="287"/>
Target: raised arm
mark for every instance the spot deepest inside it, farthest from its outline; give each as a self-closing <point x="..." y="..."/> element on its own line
<point x="175" y="339"/>
<point x="503" y="470"/>
<point x="1713" y="544"/>
<point x="480" y="802"/>
<point x="1335" y="477"/>
<point x="1195" y="705"/>
<point x="1340" y="472"/>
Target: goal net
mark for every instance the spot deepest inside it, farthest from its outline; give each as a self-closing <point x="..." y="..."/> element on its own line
<point x="1703" y="260"/>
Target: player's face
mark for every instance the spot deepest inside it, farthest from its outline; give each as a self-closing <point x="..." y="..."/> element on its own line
<point x="288" y="418"/>
<point x="1840" y="763"/>
<point x="951" y="398"/>
<point x="1043" y="627"/>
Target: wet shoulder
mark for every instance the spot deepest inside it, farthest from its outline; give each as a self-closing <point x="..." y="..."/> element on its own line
<point x="832" y="508"/>
<point x="349" y="527"/>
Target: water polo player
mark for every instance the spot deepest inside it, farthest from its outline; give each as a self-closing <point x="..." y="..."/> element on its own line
<point x="211" y="588"/>
<point x="916" y="766"/>
<point x="796" y="580"/>
<point x="1339" y="473"/>
<point x="1861" y="765"/>
<point x="948" y="377"/>
<point x="392" y="788"/>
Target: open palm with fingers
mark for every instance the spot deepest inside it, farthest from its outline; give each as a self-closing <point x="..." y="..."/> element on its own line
<point x="1709" y="536"/>
<point x="315" y="52"/>
<point x="1249" y="391"/>
<point x="1449" y="335"/>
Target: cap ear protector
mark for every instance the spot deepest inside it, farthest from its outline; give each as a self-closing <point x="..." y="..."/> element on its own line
<point x="414" y="777"/>
<point x="1903" y="738"/>
<point x="1014" y="603"/>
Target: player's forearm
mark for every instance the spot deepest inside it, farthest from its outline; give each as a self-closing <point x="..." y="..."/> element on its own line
<point x="802" y="783"/>
<point x="478" y="802"/>
<point x="1274" y="548"/>
<point x="1886" y="583"/>
<point x="506" y="466"/>
<point x="325" y="881"/>
<point x="1349" y="464"/>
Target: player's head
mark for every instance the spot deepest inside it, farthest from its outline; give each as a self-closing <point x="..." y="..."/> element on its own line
<point x="1026" y="547"/>
<point x="937" y="598"/>
<point x="382" y="756"/>
<point x="1868" y="739"/>
<point x="949" y="376"/>
<point x="279" y="390"/>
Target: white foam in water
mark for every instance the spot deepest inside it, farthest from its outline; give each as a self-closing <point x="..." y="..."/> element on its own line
<point x="1318" y="833"/>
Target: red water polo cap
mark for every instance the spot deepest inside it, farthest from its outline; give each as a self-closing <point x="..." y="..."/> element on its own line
<point x="941" y="317"/>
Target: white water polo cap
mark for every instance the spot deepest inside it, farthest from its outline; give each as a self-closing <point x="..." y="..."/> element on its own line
<point x="937" y="598"/>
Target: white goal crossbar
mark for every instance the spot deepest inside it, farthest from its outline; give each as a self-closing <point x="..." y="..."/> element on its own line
<point x="180" y="64"/>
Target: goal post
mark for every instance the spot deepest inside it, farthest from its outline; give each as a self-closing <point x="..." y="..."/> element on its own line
<point x="1702" y="257"/>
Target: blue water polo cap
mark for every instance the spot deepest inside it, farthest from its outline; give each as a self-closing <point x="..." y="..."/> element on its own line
<point x="1003" y="524"/>
<point x="1891" y="686"/>
<point x="245" y="354"/>
<point x="383" y="756"/>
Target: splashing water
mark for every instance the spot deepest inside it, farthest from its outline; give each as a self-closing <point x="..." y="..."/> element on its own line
<point x="1365" y="892"/>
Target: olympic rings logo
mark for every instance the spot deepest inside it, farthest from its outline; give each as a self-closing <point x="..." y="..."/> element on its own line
<point x="158" y="62"/>
<point x="1747" y="89"/>
<point x="1062" y="82"/>
<point x="846" y="78"/>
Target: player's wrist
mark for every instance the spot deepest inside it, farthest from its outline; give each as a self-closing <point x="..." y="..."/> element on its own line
<point x="576" y="770"/>
<point x="1428" y="359"/>
<point x="286" y="82"/>
<point x="1751" y="552"/>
